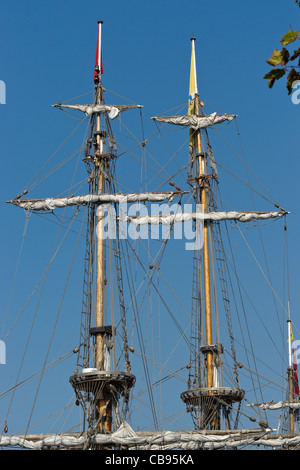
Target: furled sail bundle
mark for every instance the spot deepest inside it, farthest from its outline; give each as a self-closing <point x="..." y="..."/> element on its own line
<point x="195" y="122"/>
<point x="49" y="204"/>
<point x="278" y="405"/>
<point x="160" y="440"/>
<point x="167" y="219"/>
<point x="89" y="109"/>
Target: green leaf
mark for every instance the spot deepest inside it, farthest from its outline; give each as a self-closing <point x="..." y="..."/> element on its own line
<point x="285" y="56"/>
<point x="273" y="75"/>
<point x="275" y="58"/>
<point x="271" y="82"/>
<point x="291" y="78"/>
<point x="289" y="37"/>
<point x="296" y="54"/>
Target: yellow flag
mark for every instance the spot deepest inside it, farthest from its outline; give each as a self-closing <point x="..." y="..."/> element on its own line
<point x="193" y="80"/>
<point x="291" y="337"/>
<point x="192" y="93"/>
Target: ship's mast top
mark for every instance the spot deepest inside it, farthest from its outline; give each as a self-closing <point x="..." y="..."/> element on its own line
<point x="98" y="60"/>
<point x="102" y="387"/>
<point x="193" y="74"/>
<point x="209" y="399"/>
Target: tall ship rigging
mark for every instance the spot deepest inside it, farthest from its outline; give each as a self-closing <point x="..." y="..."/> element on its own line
<point x="113" y="368"/>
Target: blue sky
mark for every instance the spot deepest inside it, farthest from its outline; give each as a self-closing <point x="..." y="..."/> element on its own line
<point x="47" y="55"/>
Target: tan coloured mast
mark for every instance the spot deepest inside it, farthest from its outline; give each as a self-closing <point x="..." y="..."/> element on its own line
<point x="99" y="289"/>
<point x="206" y="264"/>
<point x="104" y="405"/>
<point x="201" y="179"/>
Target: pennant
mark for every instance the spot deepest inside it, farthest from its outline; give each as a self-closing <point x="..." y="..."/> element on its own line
<point x="193" y="91"/>
<point x="193" y="80"/>
<point x="291" y="337"/>
<point x="98" y="60"/>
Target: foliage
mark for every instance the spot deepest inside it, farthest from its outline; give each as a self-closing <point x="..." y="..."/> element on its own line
<point x="284" y="59"/>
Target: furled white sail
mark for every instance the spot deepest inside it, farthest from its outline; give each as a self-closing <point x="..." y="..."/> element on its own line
<point x="161" y="440"/>
<point x="195" y="122"/>
<point x="50" y="204"/>
<point x="278" y="405"/>
<point x="168" y="219"/>
<point x="89" y="109"/>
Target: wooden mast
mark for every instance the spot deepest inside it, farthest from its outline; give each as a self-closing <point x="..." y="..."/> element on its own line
<point x="206" y="263"/>
<point x="100" y="388"/>
<point x="206" y="401"/>
<point x="99" y="256"/>
<point x="104" y="403"/>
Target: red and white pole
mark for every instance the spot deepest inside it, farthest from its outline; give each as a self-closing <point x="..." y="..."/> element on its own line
<point x="98" y="60"/>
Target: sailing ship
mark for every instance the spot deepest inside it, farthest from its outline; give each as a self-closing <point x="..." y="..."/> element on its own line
<point x="113" y="360"/>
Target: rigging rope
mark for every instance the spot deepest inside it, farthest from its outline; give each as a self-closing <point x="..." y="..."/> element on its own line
<point x="247" y="166"/>
<point x="50" y="158"/>
<point x="52" y="335"/>
<point x="16" y="269"/>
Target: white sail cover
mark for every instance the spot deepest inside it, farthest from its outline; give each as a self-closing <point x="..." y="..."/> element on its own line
<point x="168" y="219"/>
<point x="89" y="109"/>
<point x="50" y="204"/>
<point x="195" y="122"/>
<point x="164" y="440"/>
<point x="278" y="405"/>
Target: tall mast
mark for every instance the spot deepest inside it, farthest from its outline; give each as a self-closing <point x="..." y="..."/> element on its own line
<point x="203" y="196"/>
<point x="209" y="402"/>
<point x="99" y="152"/>
<point x="104" y="409"/>
<point x="102" y="390"/>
